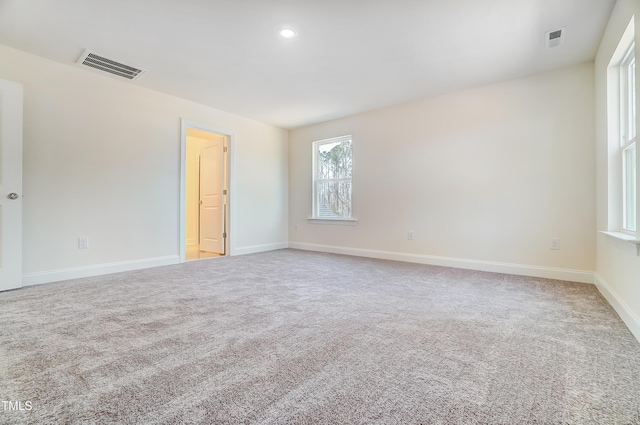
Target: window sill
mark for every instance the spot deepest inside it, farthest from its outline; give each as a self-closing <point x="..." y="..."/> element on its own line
<point x="624" y="237"/>
<point x="335" y="221"/>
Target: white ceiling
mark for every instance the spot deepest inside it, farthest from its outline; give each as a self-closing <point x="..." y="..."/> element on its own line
<point x="350" y="55"/>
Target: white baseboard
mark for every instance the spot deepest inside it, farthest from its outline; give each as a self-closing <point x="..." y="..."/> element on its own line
<point x="260" y="248"/>
<point x="49" y="276"/>
<point x="626" y="314"/>
<point x="581" y="276"/>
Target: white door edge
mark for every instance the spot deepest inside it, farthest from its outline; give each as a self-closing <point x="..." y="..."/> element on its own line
<point x="11" y="103"/>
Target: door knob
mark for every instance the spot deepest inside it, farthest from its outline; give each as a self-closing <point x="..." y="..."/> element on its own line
<point x="12" y="196"/>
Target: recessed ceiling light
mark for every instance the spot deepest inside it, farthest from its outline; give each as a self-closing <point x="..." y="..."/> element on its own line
<point x="288" y="33"/>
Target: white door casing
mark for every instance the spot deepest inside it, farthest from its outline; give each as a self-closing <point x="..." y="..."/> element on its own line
<point x="231" y="214"/>
<point x="211" y="196"/>
<point x="10" y="185"/>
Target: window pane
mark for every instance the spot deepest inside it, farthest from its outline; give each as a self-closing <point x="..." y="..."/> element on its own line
<point x="334" y="160"/>
<point x="630" y="188"/>
<point x="334" y="199"/>
<point x="631" y="87"/>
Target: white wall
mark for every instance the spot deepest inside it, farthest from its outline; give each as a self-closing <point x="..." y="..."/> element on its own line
<point x="618" y="265"/>
<point x="102" y="159"/>
<point x="485" y="177"/>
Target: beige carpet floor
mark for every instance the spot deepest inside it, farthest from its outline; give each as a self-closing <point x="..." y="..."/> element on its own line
<point x="294" y="337"/>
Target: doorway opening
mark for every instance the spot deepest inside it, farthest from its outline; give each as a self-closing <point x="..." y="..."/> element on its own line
<point x="205" y="206"/>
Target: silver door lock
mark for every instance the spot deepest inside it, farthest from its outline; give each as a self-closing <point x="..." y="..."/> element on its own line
<point x="12" y="196"/>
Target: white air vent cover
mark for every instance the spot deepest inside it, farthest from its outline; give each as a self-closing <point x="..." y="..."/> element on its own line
<point x="109" y="65"/>
<point x="554" y="38"/>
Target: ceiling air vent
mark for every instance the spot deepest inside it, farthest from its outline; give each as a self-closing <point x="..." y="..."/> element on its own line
<point x="109" y="65"/>
<point x="554" y="38"/>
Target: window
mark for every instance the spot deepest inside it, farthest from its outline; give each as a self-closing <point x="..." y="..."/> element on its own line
<point x="627" y="150"/>
<point x="622" y="138"/>
<point x="332" y="171"/>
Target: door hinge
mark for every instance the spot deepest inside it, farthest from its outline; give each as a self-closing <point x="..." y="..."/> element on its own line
<point x="224" y="149"/>
<point x="224" y="235"/>
<point x="224" y="192"/>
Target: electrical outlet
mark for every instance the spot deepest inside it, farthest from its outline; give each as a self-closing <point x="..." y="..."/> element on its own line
<point x="555" y="243"/>
<point x="83" y="242"/>
<point x="411" y="235"/>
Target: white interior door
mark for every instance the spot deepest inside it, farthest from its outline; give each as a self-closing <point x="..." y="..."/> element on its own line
<point x="211" y="196"/>
<point x="10" y="185"/>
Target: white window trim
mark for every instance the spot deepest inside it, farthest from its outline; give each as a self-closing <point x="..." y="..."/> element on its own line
<point x="626" y="238"/>
<point x="314" y="219"/>
<point x="627" y="139"/>
<point x="337" y="221"/>
<point x="625" y="182"/>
